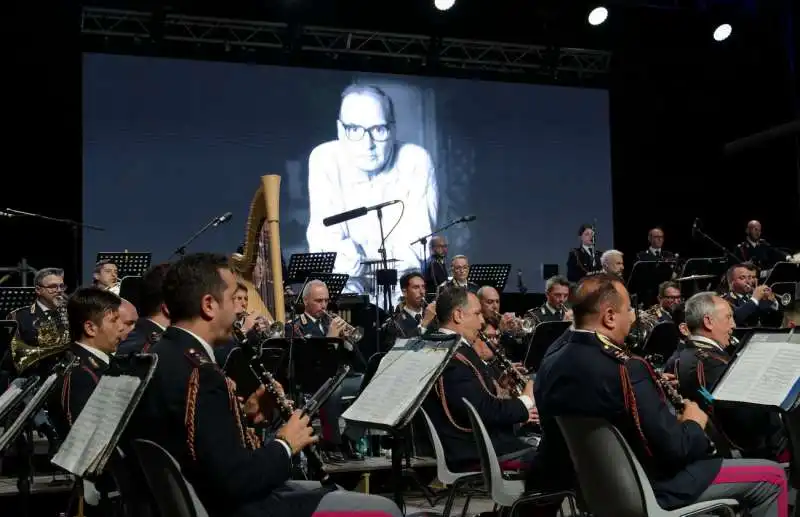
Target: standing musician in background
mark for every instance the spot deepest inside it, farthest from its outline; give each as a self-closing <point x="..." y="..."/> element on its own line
<point x="190" y="408"/>
<point x="556" y="292"/>
<point x="755" y="431"/>
<point x="106" y="276"/>
<point x="756" y="250"/>
<point x="656" y="250"/>
<point x="612" y="263"/>
<point x="435" y="269"/>
<point x="588" y="373"/>
<point x="753" y="305"/>
<point x="467" y="376"/>
<point x="460" y="267"/>
<point x="585" y="259"/>
<point x="154" y="316"/>
<point x="413" y="315"/>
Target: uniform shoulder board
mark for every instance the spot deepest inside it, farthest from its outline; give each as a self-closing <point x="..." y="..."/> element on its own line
<point x="93" y="363"/>
<point x="303" y="319"/>
<point x="616" y="353"/>
<point x="542" y="309"/>
<point x="198" y="358"/>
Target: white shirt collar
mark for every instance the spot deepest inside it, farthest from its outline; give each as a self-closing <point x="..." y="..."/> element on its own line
<point x="588" y="249"/>
<point x="550" y="308"/>
<point x="752" y="242"/>
<point x="443" y="330"/>
<point x="707" y="341"/>
<point x="157" y="324"/>
<point x="95" y="352"/>
<point x="206" y="346"/>
<point x="653" y="250"/>
<point x="412" y="312"/>
<point x="42" y="306"/>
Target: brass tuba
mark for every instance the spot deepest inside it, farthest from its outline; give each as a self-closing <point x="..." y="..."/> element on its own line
<point x="52" y="337"/>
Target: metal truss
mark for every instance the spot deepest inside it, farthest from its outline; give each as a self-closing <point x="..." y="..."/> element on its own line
<point x="333" y="43"/>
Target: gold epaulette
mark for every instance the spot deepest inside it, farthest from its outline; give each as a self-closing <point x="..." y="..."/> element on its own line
<point x="303" y="319"/>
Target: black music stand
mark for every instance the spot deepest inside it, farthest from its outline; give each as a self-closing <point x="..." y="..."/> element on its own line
<point x="646" y="276"/>
<point x="12" y="298"/>
<point x="784" y="272"/>
<point x="130" y="288"/>
<point x="543" y="336"/>
<point x="128" y="264"/>
<point x="334" y="281"/>
<point x="317" y="359"/>
<point x="272" y="355"/>
<point x="301" y="265"/>
<point x="494" y="275"/>
<point x="661" y="343"/>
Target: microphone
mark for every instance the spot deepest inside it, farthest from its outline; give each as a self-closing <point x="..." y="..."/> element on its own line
<point x="6" y="214"/>
<point x="695" y="224"/>
<point x="520" y="284"/>
<point x="465" y="219"/>
<point x="224" y="218"/>
<point x="354" y="213"/>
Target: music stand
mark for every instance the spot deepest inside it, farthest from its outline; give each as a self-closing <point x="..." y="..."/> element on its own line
<point x="12" y="298"/>
<point x="237" y="366"/>
<point x="661" y="342"/>
<point x="494" y="275"/>
<point x="543" y="336"/>
<point x="317" y="359"/>
<point x="301" y="265"/>
<point x="646" y="276"/>
<point x="130" y="288"/>
<point x="334" y="281"/>
<point x="128" y="264"/>
<point x="784" y="272"/>
<point x="700" y="267"/>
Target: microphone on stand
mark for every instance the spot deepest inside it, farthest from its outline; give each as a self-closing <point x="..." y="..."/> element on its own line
<point x="354" y="213"/>
<point x="465" y="219"/>
<point x="224" y="218"/>
<point x="520" y="284"/>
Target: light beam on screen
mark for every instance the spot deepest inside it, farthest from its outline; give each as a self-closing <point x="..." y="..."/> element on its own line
<point x="188" y="140"/>
<point x="444" y="5"/>
<point x="723" y="32"/>
<point x="598" y="15"/>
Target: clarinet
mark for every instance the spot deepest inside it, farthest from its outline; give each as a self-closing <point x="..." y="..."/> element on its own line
<point x="286" y="409"/>
<point x="671" y="393"/>
<point x="518" y="379"/>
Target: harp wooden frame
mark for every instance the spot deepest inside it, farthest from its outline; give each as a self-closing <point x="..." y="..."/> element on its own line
<point x="264" y="210"/>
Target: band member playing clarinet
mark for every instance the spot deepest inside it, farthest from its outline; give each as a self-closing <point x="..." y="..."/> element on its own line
<point x="588" y="372"/>
<point x="190" y="408"/>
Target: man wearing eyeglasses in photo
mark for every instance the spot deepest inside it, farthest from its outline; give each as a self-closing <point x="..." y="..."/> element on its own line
<point x="365" y="166"/>
<point x="50" y="288"/>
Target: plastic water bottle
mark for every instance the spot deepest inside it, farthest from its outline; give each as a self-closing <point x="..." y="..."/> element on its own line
<point x="362" y="447"/>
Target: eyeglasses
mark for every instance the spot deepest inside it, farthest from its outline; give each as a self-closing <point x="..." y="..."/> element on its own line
<point x="355" y="133"/>
<point x="461" y="268"/>
<point x="54" y="287"/>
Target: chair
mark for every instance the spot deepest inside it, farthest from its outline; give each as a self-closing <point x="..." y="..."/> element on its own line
<point x="174" y="496"/>
<point x="453" y="480"/>
<point x="612" y="481"/>
<point x="135" y="499"/>
<point x="506" y="493"/>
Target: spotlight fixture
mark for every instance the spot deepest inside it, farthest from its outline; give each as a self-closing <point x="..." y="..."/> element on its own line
<point x="443" y="5"/>
<point x="598" y="15"/>
<point x="722" y="32"/>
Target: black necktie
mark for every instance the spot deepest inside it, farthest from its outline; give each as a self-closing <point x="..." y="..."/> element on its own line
<point x="658" y="253"/>
<point x="418" y="318"/>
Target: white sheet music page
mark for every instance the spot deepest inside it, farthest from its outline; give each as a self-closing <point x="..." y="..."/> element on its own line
<point x="9" y="395"/>
<point x="403" y="373"/>
<point x="95" y="426"/>
<point x="766" y="372"/>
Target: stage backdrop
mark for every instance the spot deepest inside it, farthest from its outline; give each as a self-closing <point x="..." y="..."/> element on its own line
<point x="170" y="144"/>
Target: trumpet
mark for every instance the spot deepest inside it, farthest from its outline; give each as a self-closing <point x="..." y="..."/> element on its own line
<point x="784" y="299"/>
<point x="350" y="333"/>
<point x="114" y="288"/>
<point x="523" y="325"/>
<point x="275" y="330"/>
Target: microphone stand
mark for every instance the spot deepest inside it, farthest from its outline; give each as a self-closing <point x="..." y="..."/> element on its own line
<point x="290" y="363"/>
<point x="181" y="250"/>
<point x="383" y="282"/>
<point x="74" y="225"/>
<point x="719" y="246"/>
<point x="424" y="241"/>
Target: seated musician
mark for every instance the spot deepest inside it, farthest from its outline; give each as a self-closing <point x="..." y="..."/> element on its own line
<point x="49" y="287"/>
<point x="434" y="270"/>
<point x="508" y="326"/>
<point x="588" y="373"/>
<point x="154" y="320"/>
<point x="412" y="316"/>
<point x="460" y="267"/>
<point x="128" y="316"/>
<point x="468" y="376"/>
<point x="669" y="296"/>
<point x="656" y="250"/>
<point x="612" y="263"/>
<point x="585" y="259"/>
<point x="190" y="409"/>
<point x="556" y="292"/>
<point x="250" y="325"/>
<point x="755" y="431"/>
<point x="756" y="250"/>
<point x="106" y="276"/>
<point x="316" y="322"/>
<point x="753" y="306"/>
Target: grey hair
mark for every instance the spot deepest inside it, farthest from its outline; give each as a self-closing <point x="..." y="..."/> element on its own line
<point x="309" y="285"/>
<point x="554" y="281"/>
<point x="42" y="273"/>
<point x="606" y="256"/>
<point x="698" y="307"/>
<point x="459" y="257"/>
<point x="482" y="291"/>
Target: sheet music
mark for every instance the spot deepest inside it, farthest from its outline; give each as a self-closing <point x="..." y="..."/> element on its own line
<point x="766" y="372"/>
<point x="30" y="408"/>
<point x="405" y="370"/>
<point x="9" y="395"/>
<point x="98" y="421"/>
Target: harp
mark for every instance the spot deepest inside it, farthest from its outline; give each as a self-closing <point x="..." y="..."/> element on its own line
<point x="259" y="266"/>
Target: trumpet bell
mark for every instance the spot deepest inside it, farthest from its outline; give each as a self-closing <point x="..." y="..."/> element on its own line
<point x="24" y="356"/>
<point x="277" y="330"/>
<point x="356" y="335"/>
<point x="784" y="299"/>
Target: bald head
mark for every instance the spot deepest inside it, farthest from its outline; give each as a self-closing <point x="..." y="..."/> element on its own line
<point x="490" y="301"/>
<point x="601" y="303"/>
<point x="128" y="316"/>
<point x="438" y="246"/>
<point x="754" y="230"/>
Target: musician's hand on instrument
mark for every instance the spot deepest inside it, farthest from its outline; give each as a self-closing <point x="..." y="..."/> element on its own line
<point x="568" y="315"/>
<point x="533" y="415"/>
<point x="691" y="411"/>
<point x="760" y="293"/>
<point x="258" y="405"/>
<point x="336" y="327"/>
<point x="297" y="432"/>
<point x="261" y="324"/>
<point x="528" y="389"/>
<point x="671" y="379"/>
<point x="430" y="314"/>
<point x="249" y="321"/>
<point x="520" y="368"/>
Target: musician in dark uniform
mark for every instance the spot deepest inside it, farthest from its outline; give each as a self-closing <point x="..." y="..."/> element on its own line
<point x="190" y="409"/>
<point x="756" y="250"/>
<point x="49" y="287"/>
<point x="588" y="373"/>
<point x="556" y="291"/>
<point x="669" y="296"/>
<point x="656" y="250"/>
<point x="413" y="315"/>
<point x="315" y="322"/>
<point x="435" y="269"/>
<point x="460" y="267"/>
<point x="154" y="320"/>
<point x="753" y="306"/>
<point x="756" y="432"/>
<point x="585" y="259"/>
<point x="468" y="376"/>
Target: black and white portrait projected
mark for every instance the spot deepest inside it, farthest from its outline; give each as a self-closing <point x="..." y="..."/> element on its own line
<point x="367" y="165"/>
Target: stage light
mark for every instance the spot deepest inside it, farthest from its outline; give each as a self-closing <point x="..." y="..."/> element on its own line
<point x="722" y="32"/>
<point x="598" y="15"/>
<point x="443" y="5"/>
